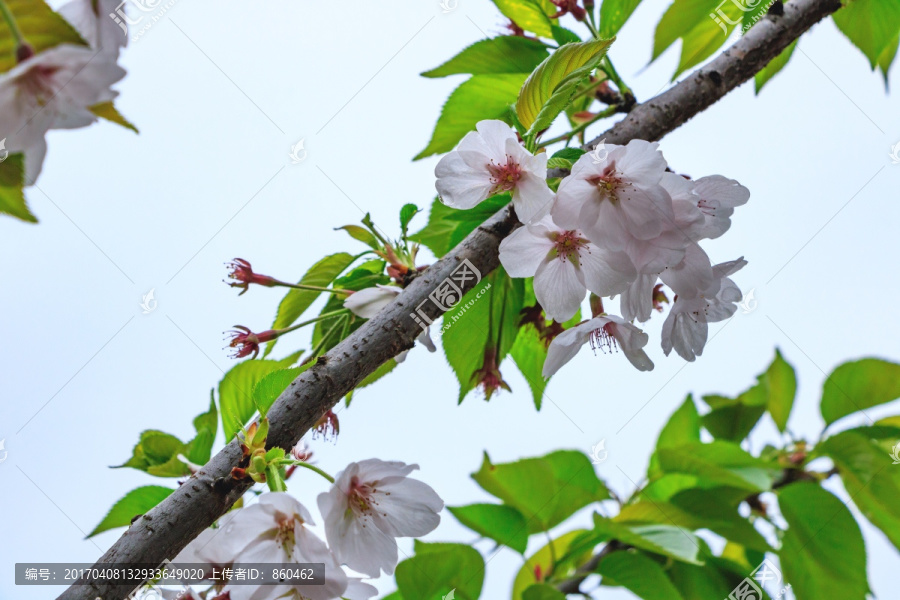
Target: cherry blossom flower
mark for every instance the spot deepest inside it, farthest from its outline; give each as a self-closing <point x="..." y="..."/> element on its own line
<point x="490" y="161"/>
<point x="52" y="90"/>
<point x="367" y="303"/>
<point x="274" y="531"/>
<point x="371" y="503"/>
<point x="91" y="18"/>
<point x="618" y="199"/>
<point x="606" y="333"/>
<point x="564" y="265"/>
<point x="686" y="328"/>
<point x="718" y="196"/>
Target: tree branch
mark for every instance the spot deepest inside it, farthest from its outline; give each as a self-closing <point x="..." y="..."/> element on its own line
<point x="207" y="495"/>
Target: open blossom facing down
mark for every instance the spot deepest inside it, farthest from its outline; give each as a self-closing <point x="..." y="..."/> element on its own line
<point x="686" y="328"/>
<point x="607" y="333"/>
<point x="371" y="503"/>
<point x="490" y="161"/>
<point x="564" y="265"/>
<point x="368" y="302"/>
<point x="274" y="531"/>
<point x="52" y="90"/>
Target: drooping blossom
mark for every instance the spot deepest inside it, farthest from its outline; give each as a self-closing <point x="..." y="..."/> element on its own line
<point x="686" y="328"/>
<point x="368" y="302"/>
<point x="607" y="333"/>
<point x="371" y="503"/>
<point x="91" y="18"/>
<point x="718" y="196"/>
<point x="274" y="531"/>
<point x="491" y="161"/>
<point x="53" y="89"/>
<point x="328" y="426"/>
<point x="565" y="265"/>
<point x="242" y="275"/>
<point x="617" y="199"/>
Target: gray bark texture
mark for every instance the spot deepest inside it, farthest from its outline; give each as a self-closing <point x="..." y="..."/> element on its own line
<point x="206" y="496"/>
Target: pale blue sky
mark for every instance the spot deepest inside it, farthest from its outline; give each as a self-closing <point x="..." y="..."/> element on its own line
<point x="221" y="91"/>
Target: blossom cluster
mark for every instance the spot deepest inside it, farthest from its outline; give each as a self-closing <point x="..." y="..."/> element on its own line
<point x="56" y="88"/>
<point x="369" y="505"/>
<point x="615" y="226"/>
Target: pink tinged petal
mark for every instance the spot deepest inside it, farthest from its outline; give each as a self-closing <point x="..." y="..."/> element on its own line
<point x="689" y="336"/>
<point x="606" y="273"/>
<point x="284" y="503"/>
<point x="731" y="267"/>
<point x="642" y="162"/>
<point x="646" y="211"/>
<point x="357" y="589"/>
<point x="496" y="135"/>
<point x="368" y="302"/>
<point x="460" y="186"/>
<point x="692" y="275"/>
<point x="531" y="197"/>
<point x="570" y="202"/>
<point x="717" y="198"/>
<point x="637" y="300"/>
<point x="522" y="252"/>
<point x="559" y="287"/>
<point x="632" y="341"/>
<point x="375" y="469"/>
<point x="563" y="348"/>
<point x="406" y="507"/>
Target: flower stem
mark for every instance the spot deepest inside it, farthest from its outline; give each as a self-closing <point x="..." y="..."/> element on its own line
<point x="13" y="25"/>
<point x="610" y="70"/>
<point x="306" y="465"/>
<point x="315" y="288"/>
<point x="592" y="29"/>
<point x="608" y="112"/>
<point x="321" y="317"/>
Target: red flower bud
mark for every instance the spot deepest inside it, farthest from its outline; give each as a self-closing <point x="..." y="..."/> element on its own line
<point x="245" y="342"/>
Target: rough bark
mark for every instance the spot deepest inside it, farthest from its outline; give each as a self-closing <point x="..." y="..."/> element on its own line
<point x="167" y="529"/>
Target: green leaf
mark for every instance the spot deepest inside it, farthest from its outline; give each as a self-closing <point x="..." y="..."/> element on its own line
<point x="476" y="99"/>
<point x="12" y="196"/>
<point x="869" y="475"/>
<point x="683" y="16"/>
<point x="366" y="275"/>
<point x="549" y="89"/>
<point x="236" y="392"/>
<point x="542" y="591"/>
<point x="614" y="14"/>
<point x="871" y="25"/>
<point x="406" y="214"/>
<point x="363" y="235"/>
<point x="718" y="464"/>
<point x="267" y="389"/>
<point x="527" y="14"/>
<point x="545" y="560"/>
<point x="822" y="554"/>
<point x="775" y="390"/>
<point x="570" y="154"/>
<point x="295" y="302"/>
<point x="561" y="36"/>
<point x="667" y="540"/>
<point x="206" y="424"/>
<point x="156" y="453"/>
<point x="887" y="58"/>
<point x="683" y="427"/>
<point x="448" y="226"/>
<point x="134" y="503"/>
<point x="489" y="314"/>
<point x="546" y="490"/>
<point x="108" y="111"/>
<point x="438" y="568"/>
<point x="694" y="509"/>
<point x="529" y="354"/>
<point x="503" y="524"/>
<point x="42" y="27"/>
<point x="559" y="163"/>
<point x="858" y="385"/>
<point x="638" y="573"/>
<point x="504" y="54"/>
